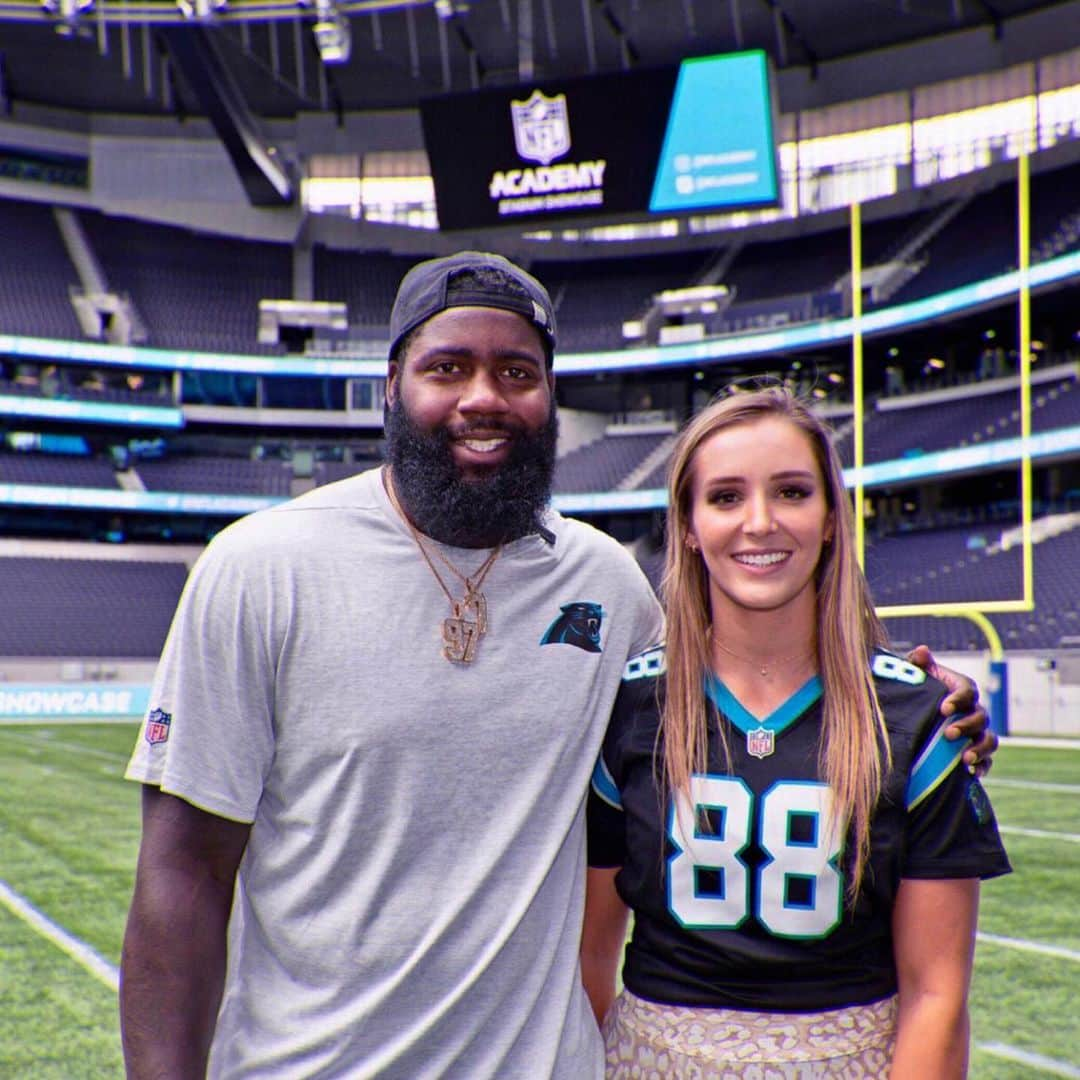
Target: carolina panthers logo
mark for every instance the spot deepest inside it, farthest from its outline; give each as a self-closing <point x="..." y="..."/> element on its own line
<point x="979" y="803"/>
<point x="579" y="624"/>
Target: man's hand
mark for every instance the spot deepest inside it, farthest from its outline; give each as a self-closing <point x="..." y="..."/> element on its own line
<point x="961" y="702"/>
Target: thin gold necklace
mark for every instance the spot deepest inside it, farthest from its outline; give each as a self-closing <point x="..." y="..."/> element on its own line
<point x="762" y="665"/>
<point x="461" y="632"/>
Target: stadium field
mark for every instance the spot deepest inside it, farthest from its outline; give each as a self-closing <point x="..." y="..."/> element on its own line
<point x="69" y="832"/>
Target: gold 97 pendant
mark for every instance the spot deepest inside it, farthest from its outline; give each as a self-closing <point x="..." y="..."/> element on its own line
<point x="461" y="634"/>
<point x="460" y="637"/>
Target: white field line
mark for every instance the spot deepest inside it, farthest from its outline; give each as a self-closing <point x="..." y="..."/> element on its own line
<point x="1035" y="1061"/>
<point x="1019" y="944"/>
<point x="1031" y="785"/>
<point x="1039" y="834"/>
<point x="1040" y="743"/>
<point x="44" y="739"/>
<point x="78" y="950"/>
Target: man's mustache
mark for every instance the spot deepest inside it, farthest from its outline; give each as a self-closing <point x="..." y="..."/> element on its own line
<point x="485" y="427"/>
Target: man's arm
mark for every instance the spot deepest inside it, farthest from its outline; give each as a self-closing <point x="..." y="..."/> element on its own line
<point x="602" y="939"/>
<point x="173" y="964"/>
<point x="962" y="704"/>
<point x="934" y="943"/>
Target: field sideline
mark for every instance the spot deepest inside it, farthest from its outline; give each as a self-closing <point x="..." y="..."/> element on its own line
<point x="69" y="832"/>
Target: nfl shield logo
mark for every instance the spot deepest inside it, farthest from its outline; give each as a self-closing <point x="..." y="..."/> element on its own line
<point x="760" y="742"/>
<point x="157" y="726"/>
<point x="541" y="127"/>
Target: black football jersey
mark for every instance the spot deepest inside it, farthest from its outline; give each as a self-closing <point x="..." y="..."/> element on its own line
<point x="739" y="893"/>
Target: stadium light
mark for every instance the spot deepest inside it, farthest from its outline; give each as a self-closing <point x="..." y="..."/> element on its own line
<point x="200" y="9"/>
<point x="68" y="12"/>
<point x="693" y="300"/>
<point x="680" y="314"/>
<point x="333" y="37"/>
<point x="67" y="9"/>
<point x="447" y="9"/>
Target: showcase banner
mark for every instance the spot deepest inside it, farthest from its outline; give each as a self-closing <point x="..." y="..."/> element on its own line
<point x="39" y="703"/>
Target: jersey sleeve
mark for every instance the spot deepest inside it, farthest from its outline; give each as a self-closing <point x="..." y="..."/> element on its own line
<point x="605" y="818"/>
<point x="951" y="829"/>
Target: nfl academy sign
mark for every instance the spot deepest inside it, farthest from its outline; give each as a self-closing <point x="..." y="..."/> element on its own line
<point x="631" y="142"/>
<point x="542" y="134"/>
<point x="547" y="150"/>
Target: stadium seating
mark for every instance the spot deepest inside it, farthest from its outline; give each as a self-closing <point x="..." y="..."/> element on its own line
<point x="604" y="464"/>
<point x="201" y="291"/>
<point x="56" y="470"/>
<point x="87" y="607"/>
<point x="953" y="258"/>
<point x="1057" y="595"/>
<point x="192" y="290"/>
<point x="197" y="291"/>
<point x="593" y="299"/>
<point x="222" y="475"/>
<point x="37" y="273"/>
<point x="982" y="414"/>
<point x="327" y="472"/>
<point x="365" y="281"/>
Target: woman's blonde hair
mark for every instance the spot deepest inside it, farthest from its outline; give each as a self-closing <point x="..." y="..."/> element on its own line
<point x="854" y="747"/>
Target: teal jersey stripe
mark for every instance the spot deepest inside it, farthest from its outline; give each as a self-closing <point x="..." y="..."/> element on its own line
<point x="604" y="785"/>
<point x="778" y="720"/>
<point x="937" y="760"/>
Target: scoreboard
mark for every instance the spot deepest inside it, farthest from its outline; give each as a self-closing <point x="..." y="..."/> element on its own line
<point x="699" y="136"/>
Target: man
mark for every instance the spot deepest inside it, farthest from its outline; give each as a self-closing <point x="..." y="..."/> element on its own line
<point x="374" y="721"/>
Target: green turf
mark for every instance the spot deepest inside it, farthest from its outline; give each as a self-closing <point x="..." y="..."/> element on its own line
<point x="68" y="840"/>
<point x="57" y="1022"/>
<point x="68" y="837"/>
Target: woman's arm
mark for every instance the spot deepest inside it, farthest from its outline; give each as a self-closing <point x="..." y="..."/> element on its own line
<point x="602" y="939"/>
<point x="934" y="944"/>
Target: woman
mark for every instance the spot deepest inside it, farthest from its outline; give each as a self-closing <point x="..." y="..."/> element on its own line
<point x="775" y="800"/>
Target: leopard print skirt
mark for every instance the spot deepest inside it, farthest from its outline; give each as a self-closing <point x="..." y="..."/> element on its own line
<point x="647" y="1041"/>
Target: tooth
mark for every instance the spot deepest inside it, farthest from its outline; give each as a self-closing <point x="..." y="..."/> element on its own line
<point x="483" y="445"/>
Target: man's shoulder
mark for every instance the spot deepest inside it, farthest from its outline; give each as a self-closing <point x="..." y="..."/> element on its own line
<point x="357" y="491"/>
<point x="300" y="525"/>
<point x="589" y="541"/>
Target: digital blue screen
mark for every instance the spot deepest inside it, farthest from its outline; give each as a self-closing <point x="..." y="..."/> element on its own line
<point x="718" y="146"/>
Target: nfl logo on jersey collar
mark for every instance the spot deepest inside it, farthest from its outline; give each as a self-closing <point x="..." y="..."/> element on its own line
<point x="761" y="732"/>
<point x="760" y="742"/>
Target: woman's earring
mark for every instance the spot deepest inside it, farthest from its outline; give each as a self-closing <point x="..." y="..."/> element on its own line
<point x="691" y="543"/>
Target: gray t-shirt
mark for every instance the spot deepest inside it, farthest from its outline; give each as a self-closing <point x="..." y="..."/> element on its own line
<point x="410" y="900"/>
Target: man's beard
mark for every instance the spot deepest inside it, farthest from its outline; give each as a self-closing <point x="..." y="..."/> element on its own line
<point x="481" y="512"/>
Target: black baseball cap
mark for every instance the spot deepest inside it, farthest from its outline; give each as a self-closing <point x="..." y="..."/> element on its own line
<point x="425" y="291"/>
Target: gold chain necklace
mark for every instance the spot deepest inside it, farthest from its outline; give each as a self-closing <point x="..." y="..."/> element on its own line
<point x="762" y="665"/>
<point x="468" y="618"/>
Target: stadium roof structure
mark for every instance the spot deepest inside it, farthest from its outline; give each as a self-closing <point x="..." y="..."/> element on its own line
<point x="285" y="57"/>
